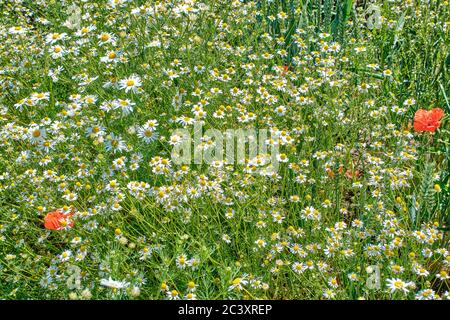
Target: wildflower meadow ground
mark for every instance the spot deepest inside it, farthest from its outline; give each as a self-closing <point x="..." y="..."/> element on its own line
<point x="224" y="149"/>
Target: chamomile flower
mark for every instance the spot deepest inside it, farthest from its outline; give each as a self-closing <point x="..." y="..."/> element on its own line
<point x="132" y="83"/>
<point x="182" y="261"/>
<point x="173" y="295"/>
<point x="115" y="284"/>
<point x="37" y="134"/>
<point x="238" y="283"/>
<point x="397" y="284"/>
<point x="57" y="51"/>
<point x="147" y="134"/>
<point x="55" y="37"/>
<point x="114" y="143"/>
<point x="106" y="38"/>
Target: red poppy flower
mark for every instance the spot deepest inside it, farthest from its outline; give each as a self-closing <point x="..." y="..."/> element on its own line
<point x="57" y="220"/>
<point x="350" y="174"/>
<point x="425" y="120"/>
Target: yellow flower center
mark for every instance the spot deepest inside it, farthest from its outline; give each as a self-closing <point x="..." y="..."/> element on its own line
<point x="148" y="133"/>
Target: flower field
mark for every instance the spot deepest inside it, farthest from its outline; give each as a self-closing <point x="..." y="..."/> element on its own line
<point x="224" y="149"/>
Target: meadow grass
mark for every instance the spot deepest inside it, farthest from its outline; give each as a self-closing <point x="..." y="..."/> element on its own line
<point x="93" y="91"/>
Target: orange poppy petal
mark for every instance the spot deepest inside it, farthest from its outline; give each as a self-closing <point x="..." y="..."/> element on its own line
<point x="428" y="120"/>
<point x="53" y="219"/>
<point x="420" y="120"/>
